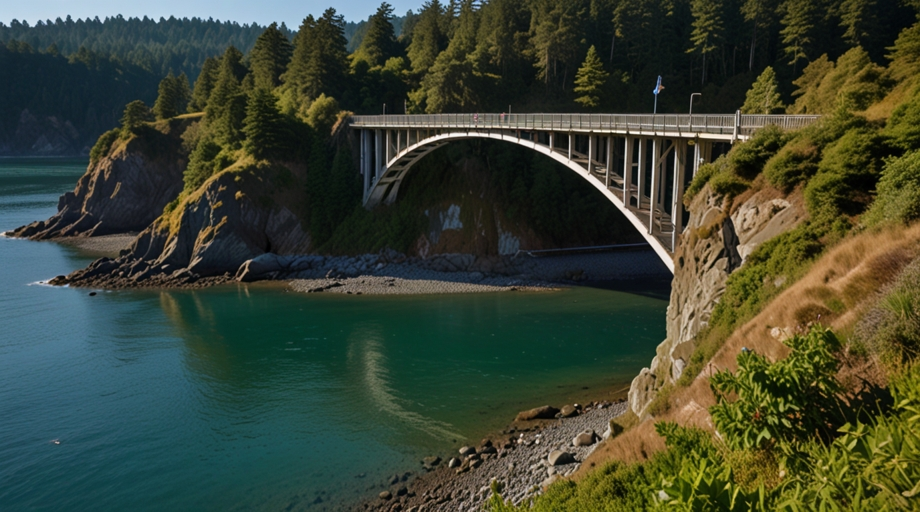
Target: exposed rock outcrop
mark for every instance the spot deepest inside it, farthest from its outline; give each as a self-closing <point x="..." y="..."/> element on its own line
<point x="715" y="243"/>
<point x="122" y="192"/>
<point x="233" y="219"/>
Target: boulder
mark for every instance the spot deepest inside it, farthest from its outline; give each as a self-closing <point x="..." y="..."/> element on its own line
<point x="543" y="412"/>
<point x="568" y="411"/>
<point x="385" y="495"/>
<point x="586" y="438"/>
<point x="559" y="457"/>
<point x="454" y="462"/>
<point x="431" y="461"/>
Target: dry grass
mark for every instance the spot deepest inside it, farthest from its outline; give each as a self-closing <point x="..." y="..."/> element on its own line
<point x="839" y="287"/>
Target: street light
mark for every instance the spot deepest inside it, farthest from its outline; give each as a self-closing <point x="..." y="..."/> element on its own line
<point x="691" y="101"/>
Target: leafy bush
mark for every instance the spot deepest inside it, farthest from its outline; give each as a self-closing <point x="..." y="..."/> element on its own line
<point x="786" y="401"/>
<point x="749" y="157"/>
<point x="103" y="145"/>
<point x="898" y="192"/>
<point x="828" y="195"/>
<point x="703" y="175"/>
<point x="794" y="163"/>
<point x="873" y="465"/>
<point x="904" y="124"/>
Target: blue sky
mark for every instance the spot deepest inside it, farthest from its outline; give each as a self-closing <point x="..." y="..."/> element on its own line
<point x="242" y="11"/>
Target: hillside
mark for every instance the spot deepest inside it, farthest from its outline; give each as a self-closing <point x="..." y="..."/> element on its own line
<point x="788" y="380"/>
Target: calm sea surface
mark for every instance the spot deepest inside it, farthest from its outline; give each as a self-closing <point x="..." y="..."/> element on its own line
<point x="253" y="398"/>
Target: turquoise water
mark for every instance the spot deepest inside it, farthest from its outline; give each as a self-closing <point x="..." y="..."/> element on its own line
<point x="254" y="398"/>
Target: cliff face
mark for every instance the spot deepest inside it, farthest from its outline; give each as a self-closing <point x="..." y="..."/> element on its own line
<point x="233" y="218"/>
<point x="123" y="192"/>
<point x="715" y="244"/>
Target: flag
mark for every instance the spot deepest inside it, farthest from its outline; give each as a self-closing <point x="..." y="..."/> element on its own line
<point x="658" y="87"/>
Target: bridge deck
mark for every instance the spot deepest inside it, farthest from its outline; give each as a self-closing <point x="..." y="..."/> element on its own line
<point x="710" y="126"/>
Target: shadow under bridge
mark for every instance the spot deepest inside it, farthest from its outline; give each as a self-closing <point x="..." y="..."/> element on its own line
<point x="640" y="162"/>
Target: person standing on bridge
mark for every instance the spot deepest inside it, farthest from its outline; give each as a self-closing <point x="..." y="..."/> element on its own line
<point x="476" y="119"/>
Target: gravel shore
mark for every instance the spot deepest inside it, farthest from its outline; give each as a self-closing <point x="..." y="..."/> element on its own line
<point x="518" y="460"/>
<point x="109" y="245"/>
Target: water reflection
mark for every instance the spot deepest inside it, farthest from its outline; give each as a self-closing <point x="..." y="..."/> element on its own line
<point x="365" y="350"/>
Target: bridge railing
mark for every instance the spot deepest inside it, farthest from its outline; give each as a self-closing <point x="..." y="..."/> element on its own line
<point x="723" y="124"/>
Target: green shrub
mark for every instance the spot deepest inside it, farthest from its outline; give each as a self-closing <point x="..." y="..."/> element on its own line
<point x="749" y="157"/>
<point x="703" y="175"/>
<point x="873" y="465"/>
<point x="904" y="123"/>
<point x="898" y="192"/>
<point x="786" y="401"/>
<point x="828" y="195"/>
<point x="103" y="145"/>
<point x="794" y="163"/>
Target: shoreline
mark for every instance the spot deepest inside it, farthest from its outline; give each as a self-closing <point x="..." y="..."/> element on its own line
<point x="386" y="273"/>
<point x="517" y="458"/>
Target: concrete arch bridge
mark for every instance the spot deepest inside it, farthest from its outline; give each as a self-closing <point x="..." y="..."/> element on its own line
<point x="641" y="163"/>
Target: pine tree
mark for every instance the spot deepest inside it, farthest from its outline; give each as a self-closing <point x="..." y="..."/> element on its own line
<point x="319" y="65"/>
<point x="798" y="28"/>
<point x="859" y="20"/>
<point x="763" y="97"/>
<point x="453" y="83"/>
<point x="136" y="114"/>
<point x="708" y="28"/>
<point x="379" y="43"/>
<point x="227" y="103"/>
<point x="555" y="37"/>
<point x="429" y="37"/>
<point x="204" y="84"/>
<point x="762" y="14"/>
<point x="173" y="96"/>
<point x="590" y="80"/>
<point x="264" y="126"/>
<point x="269" y="57"/>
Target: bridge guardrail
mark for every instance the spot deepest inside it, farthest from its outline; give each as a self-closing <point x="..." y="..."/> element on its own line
<point x="722" y="124"/>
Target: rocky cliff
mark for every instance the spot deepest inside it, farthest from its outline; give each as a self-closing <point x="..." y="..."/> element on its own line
<point x="717" y="240"/>
<point x="123" y="192"/>
<point x="241" y="213"/>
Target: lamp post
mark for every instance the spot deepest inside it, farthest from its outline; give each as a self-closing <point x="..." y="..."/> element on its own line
<point x="691" y="101"/>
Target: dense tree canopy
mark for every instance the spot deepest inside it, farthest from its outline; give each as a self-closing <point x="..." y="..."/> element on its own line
<point x="467" y="56"/>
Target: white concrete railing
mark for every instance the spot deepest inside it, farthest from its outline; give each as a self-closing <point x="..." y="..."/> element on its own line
<point x="718" y="124"/>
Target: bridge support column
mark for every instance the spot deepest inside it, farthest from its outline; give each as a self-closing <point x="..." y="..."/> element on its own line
<point x="366" y="165"/>
<point x="641" y="174"/>
<point x="627" y="169"/>
<point x="380" y="163"/>
<point x="591" y="150"/>
<point x="610" y="163"/>
<point x="677" y="208"/>
<point x="656" y="178"/>
<point x="571" y="144"/>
